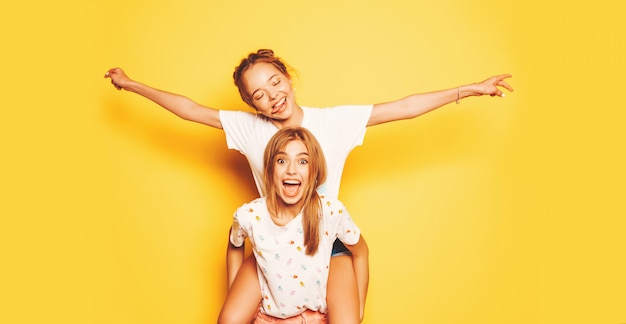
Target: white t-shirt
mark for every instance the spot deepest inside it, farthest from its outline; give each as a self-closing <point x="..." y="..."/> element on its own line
<point x="337" y="129"/>
<point x="290" y="280"/>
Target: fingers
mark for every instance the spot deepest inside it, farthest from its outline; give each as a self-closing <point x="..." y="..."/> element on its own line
<point x="503" y="76"/>
<point x="118" y="87"/>
<point x="497" y="93"/>
<point x="109" y="74"/>
<point x="499" y="82"/>
<point x="505" y="85"/>
<point x="112" y="71"/>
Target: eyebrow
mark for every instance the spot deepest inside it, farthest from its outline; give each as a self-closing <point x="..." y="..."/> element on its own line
<point x="280" y="153"/>
<point x="270" y="78"/>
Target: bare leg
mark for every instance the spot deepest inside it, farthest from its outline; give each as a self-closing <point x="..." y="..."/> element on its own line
<point x="342" y="293"/>
<point x="244" y="296"/>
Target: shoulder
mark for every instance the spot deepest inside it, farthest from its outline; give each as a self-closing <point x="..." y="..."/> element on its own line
<point x="252" y="208"/>
<point x="339" y="109"/>
<point x="338" y="115"/>
<point x="245" y="130"/>
<point x="235" y="114"/>
<point x="332" y="206"/>
<point x="238" y="117"/>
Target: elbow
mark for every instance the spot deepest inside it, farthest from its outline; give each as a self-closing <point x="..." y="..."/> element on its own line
<point x="186" y="116"/>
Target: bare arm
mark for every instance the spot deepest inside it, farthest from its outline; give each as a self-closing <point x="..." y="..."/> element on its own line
<point x="179" y="105"/>
<point x="244" y="293"/>
<point x="419" y="104"/>
<point x="360" y="261"/>
<point x="234" y="260"/>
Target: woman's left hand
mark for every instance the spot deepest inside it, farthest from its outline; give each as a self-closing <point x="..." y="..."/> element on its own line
<point x="491" y="86"/>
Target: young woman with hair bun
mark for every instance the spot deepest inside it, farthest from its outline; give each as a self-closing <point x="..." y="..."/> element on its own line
<point x="265" y="84"/>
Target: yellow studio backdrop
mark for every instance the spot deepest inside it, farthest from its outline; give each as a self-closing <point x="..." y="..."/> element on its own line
<point x="497" y="210"/>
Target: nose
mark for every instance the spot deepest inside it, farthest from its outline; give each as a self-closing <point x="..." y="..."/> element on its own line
<point x="291" y="169"/>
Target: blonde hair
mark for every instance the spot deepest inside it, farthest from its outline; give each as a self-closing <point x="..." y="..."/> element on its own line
<point x="312" y="208"/>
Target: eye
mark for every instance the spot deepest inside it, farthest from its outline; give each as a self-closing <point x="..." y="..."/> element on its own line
<point x="276" y="82"/>
<point x="280" y="161"/>
<point x="258" y="97"/>
<point x="304" y="161"/>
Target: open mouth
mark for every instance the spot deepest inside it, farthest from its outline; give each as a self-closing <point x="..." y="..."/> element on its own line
<point x="291" y="187"/>
<point x="279" y="107"/>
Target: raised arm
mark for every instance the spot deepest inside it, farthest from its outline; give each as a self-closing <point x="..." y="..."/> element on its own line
<point x="419" y="104"/>
<point x="179" y="105"/>
<point x="360" y="261"/>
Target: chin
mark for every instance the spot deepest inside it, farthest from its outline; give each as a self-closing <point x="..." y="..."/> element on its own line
<point x="291" y="200"/>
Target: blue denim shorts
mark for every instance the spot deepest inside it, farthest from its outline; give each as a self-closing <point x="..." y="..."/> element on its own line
<point x="339" y="249"/>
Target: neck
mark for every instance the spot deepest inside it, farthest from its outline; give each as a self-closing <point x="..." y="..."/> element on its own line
<point x="284" y="213"/>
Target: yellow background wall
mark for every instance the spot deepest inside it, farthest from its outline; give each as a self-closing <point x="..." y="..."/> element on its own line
<point x="498" y="210"/>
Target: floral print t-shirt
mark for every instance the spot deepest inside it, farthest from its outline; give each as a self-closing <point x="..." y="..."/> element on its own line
<point x="291" y="281"/>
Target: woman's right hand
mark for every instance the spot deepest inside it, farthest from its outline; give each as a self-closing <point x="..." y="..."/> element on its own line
<point x="118" y="78"/>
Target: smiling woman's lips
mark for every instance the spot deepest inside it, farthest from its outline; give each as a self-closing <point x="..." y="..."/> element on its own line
<point x="280" y="106"/>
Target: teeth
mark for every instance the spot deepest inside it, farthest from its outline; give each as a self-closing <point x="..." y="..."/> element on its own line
<point x="291" y="182"/>
<point x="278" y="104"/>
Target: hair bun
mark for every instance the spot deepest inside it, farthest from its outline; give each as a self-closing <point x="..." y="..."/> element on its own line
<point x="265" y="52"/>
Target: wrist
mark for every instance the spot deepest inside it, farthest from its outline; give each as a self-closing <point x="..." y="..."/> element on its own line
<point x="465" y="91"/>
<point x="130" y="85"/>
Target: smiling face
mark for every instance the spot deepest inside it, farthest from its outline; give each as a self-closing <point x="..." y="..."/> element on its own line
<point x="270" y="90"/>
<point x="294" y="167"/>
<point x="291" y="173"/>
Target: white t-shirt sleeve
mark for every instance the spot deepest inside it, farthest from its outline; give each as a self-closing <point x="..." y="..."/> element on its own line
<point x="237" y="127"/>
<point x="352" y="122"/>
<point x="238" y="231"/>
<point x="346" y="124"/>
<point x="248" y="134"/>
<point x="339" y="130"/>
<point x="341" y="223"/>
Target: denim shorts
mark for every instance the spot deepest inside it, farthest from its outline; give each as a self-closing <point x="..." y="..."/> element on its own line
<point x="339" y="249"/>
